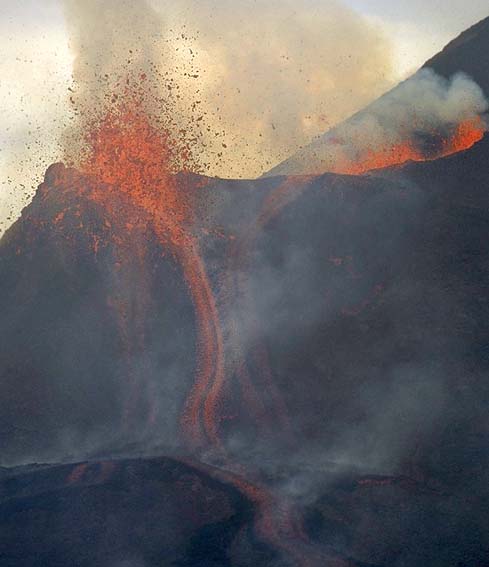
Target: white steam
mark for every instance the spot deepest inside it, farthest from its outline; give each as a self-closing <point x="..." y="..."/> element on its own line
<point x="424" y="105"/>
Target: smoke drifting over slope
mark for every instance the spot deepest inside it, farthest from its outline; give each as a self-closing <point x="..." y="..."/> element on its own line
<point x="265" y="75"/>
<point x="425" y="117"/>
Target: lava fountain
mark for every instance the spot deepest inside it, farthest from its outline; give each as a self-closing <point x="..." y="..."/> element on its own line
<point x="129" y="152"/>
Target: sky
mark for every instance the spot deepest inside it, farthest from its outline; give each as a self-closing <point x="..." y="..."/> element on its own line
<point x="442" y="16"/>
<point x="36" y="67"/>
<point x="420" y="28"/>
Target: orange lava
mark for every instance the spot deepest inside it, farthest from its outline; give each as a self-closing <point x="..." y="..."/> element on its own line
<point x="380" y="158"/>
<point x="463" y="137"/>
<point x="130" y="153"/>
<point x="277" y="520"/>
<point x="127" y="154"/>
<point x="466" y="135"/>
<point x="200" y="421"/>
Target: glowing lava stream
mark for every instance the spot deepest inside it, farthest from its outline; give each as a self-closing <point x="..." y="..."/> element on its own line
<point x="465" y="135"/>
<point x="128" y="155"/>
<point x="278" y="521"/>
<point x="199" y="416"/>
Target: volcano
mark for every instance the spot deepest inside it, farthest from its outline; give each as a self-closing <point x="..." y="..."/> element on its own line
<point x="373" y="319"/>
<point x="308" y="353"/>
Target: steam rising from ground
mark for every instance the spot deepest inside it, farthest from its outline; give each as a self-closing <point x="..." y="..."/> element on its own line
<point x="267" y="76"/>
<point x="423" y="108"/>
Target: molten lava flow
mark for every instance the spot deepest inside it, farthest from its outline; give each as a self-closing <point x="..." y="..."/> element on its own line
<point x="277" y="519"/>
<point x="200" y="414"/>
<point x="466" y="135"/>
<point x="129" y="155"/>
<point x="463" y="137"/>
<point x="381" y="158"/>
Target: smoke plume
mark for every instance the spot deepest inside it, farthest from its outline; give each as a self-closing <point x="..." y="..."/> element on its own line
<point x="267" y="76"/>
<point x="413" y="120"/>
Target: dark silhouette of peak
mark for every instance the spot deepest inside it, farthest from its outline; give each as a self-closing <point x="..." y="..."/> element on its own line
<point x="466" y="53"/>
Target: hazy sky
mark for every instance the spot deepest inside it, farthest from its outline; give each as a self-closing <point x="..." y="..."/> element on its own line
<point x="422" y="27"/>
<point x="439" y="16"/>
<point x="35" y="70"/>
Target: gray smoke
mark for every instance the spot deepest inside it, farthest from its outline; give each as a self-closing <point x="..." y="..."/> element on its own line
<point x="422" y="105"/>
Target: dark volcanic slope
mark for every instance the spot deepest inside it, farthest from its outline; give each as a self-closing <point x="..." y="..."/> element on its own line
<point x="396" y="334"/>
<point x="371" y="298"/>
<point x="359" y="283"/>
<point x="68" y="359"/>
<point x="149" y="513"/>
<point x="467" y="53"/>
<point x="162" y="512"/>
